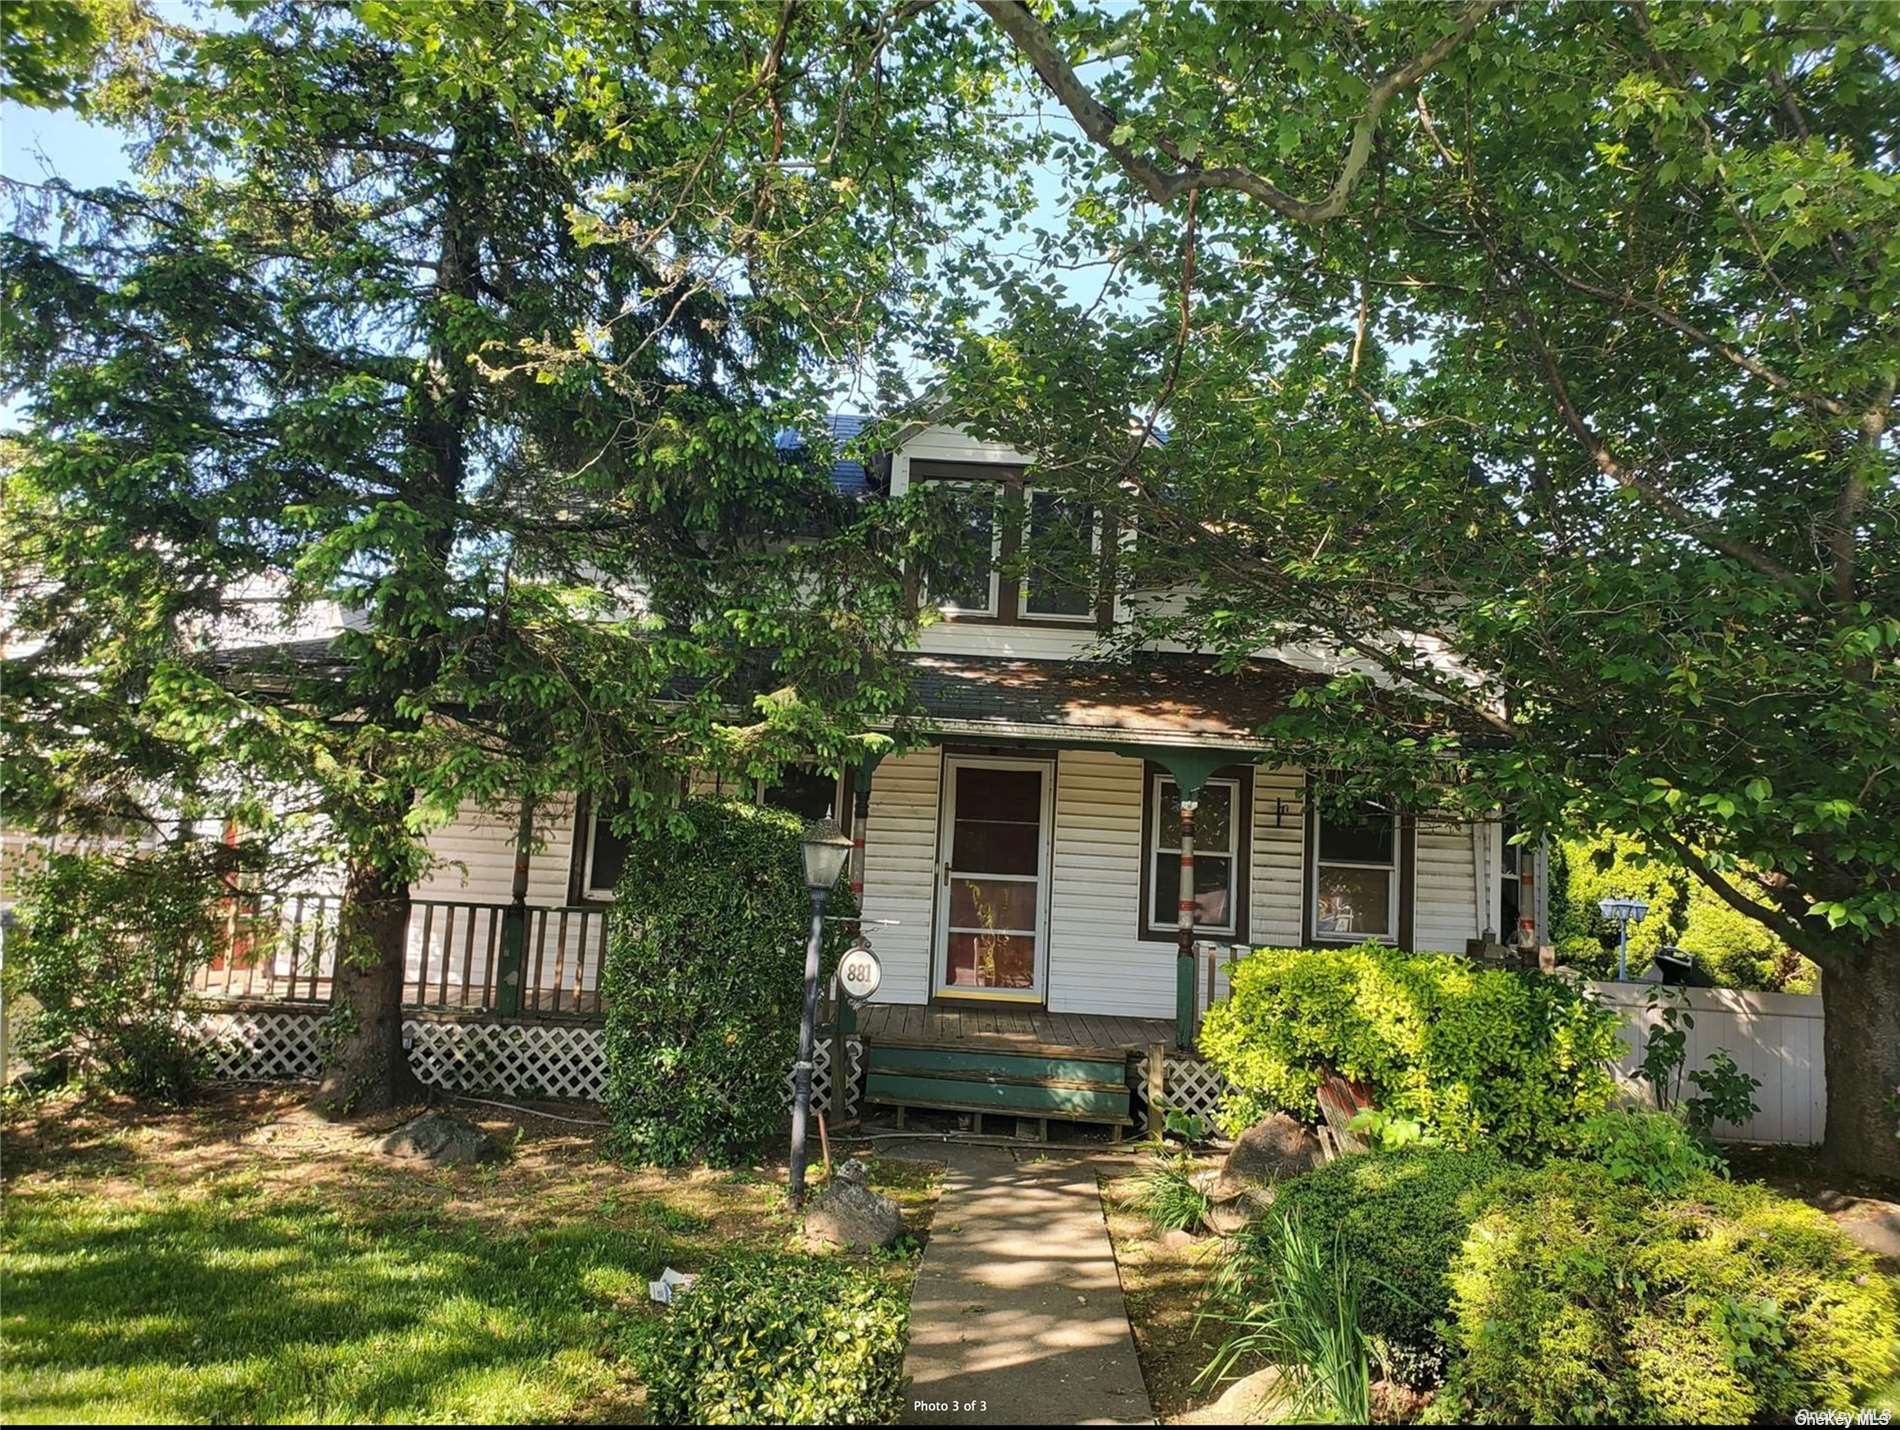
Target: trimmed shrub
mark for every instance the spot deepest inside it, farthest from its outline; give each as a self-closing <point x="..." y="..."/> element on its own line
<point x="704" y="982"/>
<point x="104" y="954"/>
<point x="1577" y="1298"/>
<point x="1479" y="1056"/>
<point x="1400" y="1217"/>
<point x="1586" y="871"/>
<point x="1738" y="951"/>
<point x="780" y="1341"/>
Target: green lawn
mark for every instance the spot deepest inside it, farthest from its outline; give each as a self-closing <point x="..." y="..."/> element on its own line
<point x="191" y="1268"/>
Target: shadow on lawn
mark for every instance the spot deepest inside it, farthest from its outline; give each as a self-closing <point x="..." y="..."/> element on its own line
<point x="241" y="1260"/>
<point x="216" y="1310"/>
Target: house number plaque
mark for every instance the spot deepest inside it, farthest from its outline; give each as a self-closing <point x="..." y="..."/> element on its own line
<point x="859" y="973"/>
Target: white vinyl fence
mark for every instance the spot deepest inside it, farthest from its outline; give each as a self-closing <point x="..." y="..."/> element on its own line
<point x="1774" y="1037"/>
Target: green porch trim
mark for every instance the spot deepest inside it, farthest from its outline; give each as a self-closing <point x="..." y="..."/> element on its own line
<point x="1190" y="768"/>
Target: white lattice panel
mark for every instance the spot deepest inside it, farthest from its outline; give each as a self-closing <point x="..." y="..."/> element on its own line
<point x="1187" y="1085"/>
<point x="264" y="1046"/>
<point x="515" y="1059"/>
<point x="512" y="1059"/>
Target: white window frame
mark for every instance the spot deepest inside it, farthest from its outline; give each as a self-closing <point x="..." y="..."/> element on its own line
<point x="995" y="606"/>
<point x="1235" y="890"/>
<point x="1317" y="862"/>
<point x="1024" y="610"/>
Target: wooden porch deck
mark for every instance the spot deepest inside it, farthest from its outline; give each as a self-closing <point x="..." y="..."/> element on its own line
<point x="1003" y="1028"/>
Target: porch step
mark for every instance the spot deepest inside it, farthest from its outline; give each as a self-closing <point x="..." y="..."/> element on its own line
<point x="935" y="1058"/>
<point x="967" y="1080"/>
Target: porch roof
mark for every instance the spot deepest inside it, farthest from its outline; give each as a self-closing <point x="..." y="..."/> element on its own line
<point x="1166" y="699"/>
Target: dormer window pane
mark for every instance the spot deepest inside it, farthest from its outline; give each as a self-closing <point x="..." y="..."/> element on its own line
<point x="1061" y="556"/>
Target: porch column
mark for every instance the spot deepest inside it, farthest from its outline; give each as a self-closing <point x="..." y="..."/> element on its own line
<point x="514" y="922"/>
<point x="1189" y="768"/>
<point x="1184" y="1002"/>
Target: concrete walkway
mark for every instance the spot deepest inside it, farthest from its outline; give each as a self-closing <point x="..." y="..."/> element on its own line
<point x="1017" y="1315"/>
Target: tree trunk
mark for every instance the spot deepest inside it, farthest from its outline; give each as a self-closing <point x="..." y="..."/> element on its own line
<point x="365" y="1068"/>
<point x="1860" y="996"/>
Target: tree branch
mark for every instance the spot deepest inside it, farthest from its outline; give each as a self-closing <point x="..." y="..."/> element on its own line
<point x="1032" y="38"/>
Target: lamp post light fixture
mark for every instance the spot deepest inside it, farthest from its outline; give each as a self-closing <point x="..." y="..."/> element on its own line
<point x="1623" y="913"/>
<point x="826" y="850"/>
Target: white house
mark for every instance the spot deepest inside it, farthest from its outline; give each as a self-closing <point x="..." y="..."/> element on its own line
<point x="1020" y="873"/>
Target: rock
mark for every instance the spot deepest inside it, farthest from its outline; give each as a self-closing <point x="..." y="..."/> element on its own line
<point x="1268" y="1152"/>
<point x="849" y="1214"/>
<point x="1257" y="1399"/>
<point x="442" y="1140"/>
<point x="1231" y="1216"/>
<point x="1174" y="1239"/>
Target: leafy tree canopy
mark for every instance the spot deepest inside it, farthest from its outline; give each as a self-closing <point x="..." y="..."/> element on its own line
<point x="1541" y="357"/>
<point x="476" y="326"/>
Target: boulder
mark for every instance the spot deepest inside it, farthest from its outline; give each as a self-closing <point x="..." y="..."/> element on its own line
<point x="442" y="1140"/>
<point x="1230" y="1217"/>
<point x="1257" y="1399"/>
<point x="1268" y="1152"/>
<point x="849" y="1214"/>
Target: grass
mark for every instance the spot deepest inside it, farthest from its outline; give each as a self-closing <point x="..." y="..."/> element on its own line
<point x="1165" y="1193"/>
<point x="242" y="1262"/>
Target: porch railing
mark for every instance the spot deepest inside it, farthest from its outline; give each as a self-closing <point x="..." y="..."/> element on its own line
<point x="282" y="948"/>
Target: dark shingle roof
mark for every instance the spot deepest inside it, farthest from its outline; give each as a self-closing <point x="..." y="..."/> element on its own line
<point x="1163" y="694"/>
<point x="848" y="476"/>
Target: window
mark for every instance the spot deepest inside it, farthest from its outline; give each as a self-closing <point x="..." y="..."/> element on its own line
<point x="967" y="583"/>
<point x="1061" y="558"/>
<point x="1027" y="555"/>
<point x="1355" y="877"/>
<point x="606" y="856"/>
<point x="1220" y="857"/>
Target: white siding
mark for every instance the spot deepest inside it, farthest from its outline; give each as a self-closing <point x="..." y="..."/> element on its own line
<point x="1097" y="964"/>
<point x="900" y="871"/>
<point x="1445" y="911"/>
<point x="475" y="863"/>
<point x="475" y="856"/>
<point x="1011" y="642"/>
<point x="1279" y="857"/>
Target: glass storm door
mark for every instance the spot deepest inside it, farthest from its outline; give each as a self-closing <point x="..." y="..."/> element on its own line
<point x="994" y="858"/>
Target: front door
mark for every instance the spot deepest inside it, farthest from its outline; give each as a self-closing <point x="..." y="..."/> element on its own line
<point x="993" y="913"/>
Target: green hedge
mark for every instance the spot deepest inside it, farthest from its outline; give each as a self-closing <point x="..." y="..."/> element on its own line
<point x="1481" y="1057"/>
<point x="704" y="982"/>
<point x="1578" y="1298"/>
<point x="1401" y="1217"/>
<point x="780" y="1341"/>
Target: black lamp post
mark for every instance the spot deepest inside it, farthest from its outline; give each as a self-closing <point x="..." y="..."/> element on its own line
<point x="826" y="851"/>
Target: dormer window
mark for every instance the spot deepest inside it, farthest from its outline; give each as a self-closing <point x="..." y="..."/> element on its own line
<point x="1044" y="548"/>
<point x="970" y="584"/>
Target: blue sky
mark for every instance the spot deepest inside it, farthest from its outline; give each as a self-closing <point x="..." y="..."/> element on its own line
<point x="38" y="143"/>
